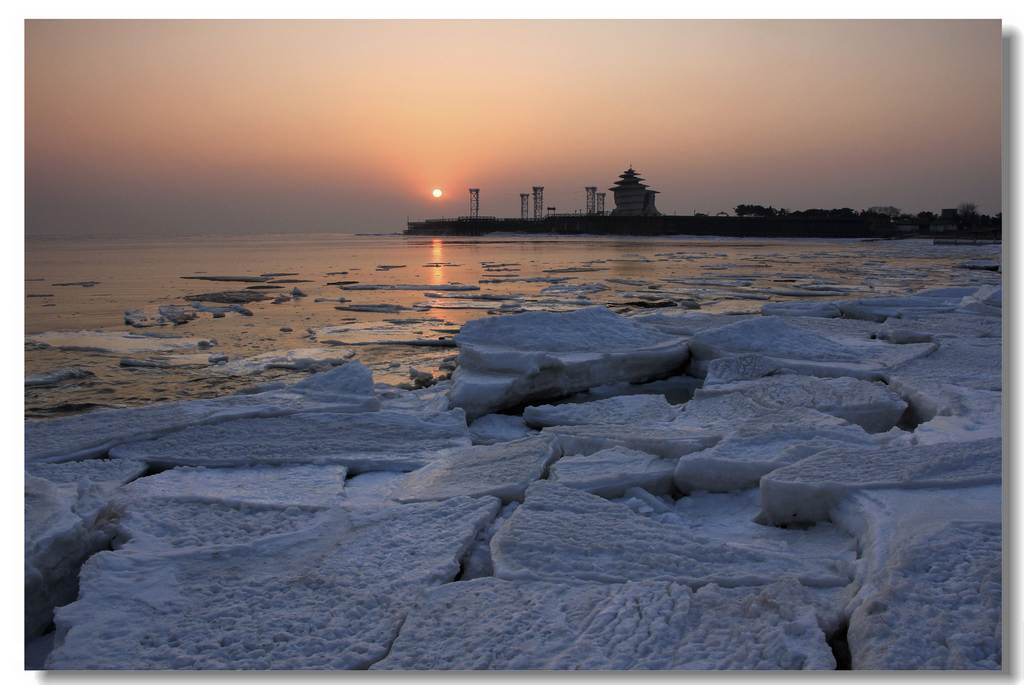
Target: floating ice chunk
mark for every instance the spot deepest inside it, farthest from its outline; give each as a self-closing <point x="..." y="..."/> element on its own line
<point x="117" y="342"/>
<point x="929" y="586"/>
<point x="327" y="597"/>
<point x="56" y="377"/>
<point x="799" y="349"/>
<point x="492" y="428"/>
<point x="762" y="443"/>
<point x="565" y="535"/>
<point x="387" y="308"/>
<point x="232" y="297"/>
<point x="239" y="279"/>
<point x="667" y="440"/>
<point x="503" y="470"/>
<point x="57" y="541"/>
<point x="809" y="489"/>
<point x="610" y="472"/>
<point x="371" y="441"/>
<point x="304" y="486"/>
<point x="302" y="359"/>
<point x="633" y="625"/>
<point x="574" y="288"/>
<point x="823" y="309"/>
<point x="347" y="388"/>
<point x="411" y="286"/>
<point x="505" y="361"/>
<point x="166" y="361"/>
<point x="872" y="406"/>
<point x="624" y="409"/>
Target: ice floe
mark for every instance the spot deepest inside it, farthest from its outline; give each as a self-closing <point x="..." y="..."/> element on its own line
<point x="326" y="597"/>
<point x="611" y="472"/>
<point x="614" y="410"/>
<point x="507" y="361"/>
<point x="564" y="535"/>
<point x="503" y="470"/>
<point x="368" y="441"/>
<point x="118" y="342"/>
<point x="632" y="625"/>
<point x="809" y="489"/>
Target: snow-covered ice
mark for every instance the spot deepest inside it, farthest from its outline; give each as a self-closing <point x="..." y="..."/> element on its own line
<point x="367" y="441"/>
<point x="872" y="406"/>
<point x="326" y="597"/>
<point x="620" y="409"/>
<point x="610" y="472"/>
<point x="766" y="442"/>
<point x="808" y="489"/>
<point x="633" y="625"/>
<point x="506" y="361"/>
<point x="503" y="470"/>
<point x="492" y="428"/>
<point x="565" y="535"/>
<point x="791" y="346"/>
<point x="929" y="585"/>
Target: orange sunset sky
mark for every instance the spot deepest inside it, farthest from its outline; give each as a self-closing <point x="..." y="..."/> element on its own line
<point x="186" y="127"/>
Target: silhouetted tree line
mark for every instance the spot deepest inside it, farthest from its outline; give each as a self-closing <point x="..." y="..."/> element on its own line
<point x="965" y="216"/>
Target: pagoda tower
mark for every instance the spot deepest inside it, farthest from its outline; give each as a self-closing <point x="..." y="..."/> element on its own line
<point x="632" y="196"/>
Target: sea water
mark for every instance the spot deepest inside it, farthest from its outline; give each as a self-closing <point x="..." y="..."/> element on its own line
<point x="76" y="285"/>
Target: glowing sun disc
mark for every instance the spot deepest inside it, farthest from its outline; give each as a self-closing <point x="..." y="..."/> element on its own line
<point x="436" y="192"/>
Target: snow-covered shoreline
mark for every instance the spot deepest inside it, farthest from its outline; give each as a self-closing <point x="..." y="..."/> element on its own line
<point x="798" y="505"/>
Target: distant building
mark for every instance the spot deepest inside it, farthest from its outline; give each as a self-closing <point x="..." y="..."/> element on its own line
<point x="632" y="196"/>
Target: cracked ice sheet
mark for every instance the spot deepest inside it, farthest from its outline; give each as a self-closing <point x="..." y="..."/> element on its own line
<point x="610" y="472"/>
<point x="790" y="344"/>
<point x="668" y="440"/>
<point x="503" y="470"/>
<point x="370" y="441"/>
<point x="633" y="625"/>
<point x="565" y="535"/>
<point x="348" y="388"/>
<point x="872" y="406"/>
<point x="809" y="489"/>
<point x="329" y="597"/>
<point x="505" y="361"/>
<point x="621" y="409"/>
<point x="303" y="486"/>
<point x="929" y="586"/>
<point x="761" y="442"/>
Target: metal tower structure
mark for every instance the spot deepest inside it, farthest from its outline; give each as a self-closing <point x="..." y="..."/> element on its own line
<point x="591" y="199"/>
<point x="600" y="204"/>
<point x="524" y="206"/>
<point x="538" y="202"/>
<point x="474" y="203"/>
<point x="551" y="211"/>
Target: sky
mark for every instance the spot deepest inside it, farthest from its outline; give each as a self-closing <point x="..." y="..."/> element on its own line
<point x="208" y="127"/>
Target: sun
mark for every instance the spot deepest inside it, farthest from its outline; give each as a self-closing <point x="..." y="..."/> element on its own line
<point x="436" y="192"/>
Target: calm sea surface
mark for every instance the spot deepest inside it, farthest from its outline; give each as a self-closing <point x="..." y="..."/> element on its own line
<point x="132" y="366"/>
